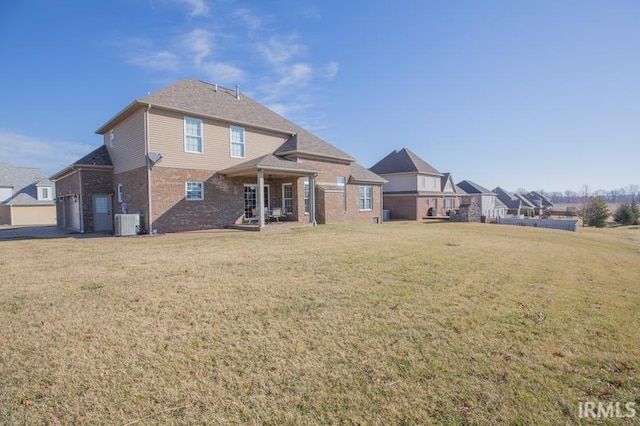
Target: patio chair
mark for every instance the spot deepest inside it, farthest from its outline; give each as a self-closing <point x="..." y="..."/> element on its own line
<point x="276" y="214"/>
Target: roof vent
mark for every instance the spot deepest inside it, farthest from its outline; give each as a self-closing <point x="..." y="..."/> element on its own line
<point x="237" y="91"/>
<point x="215" y="88"/>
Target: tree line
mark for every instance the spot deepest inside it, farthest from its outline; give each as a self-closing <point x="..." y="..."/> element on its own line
<point x="624" y="194"/>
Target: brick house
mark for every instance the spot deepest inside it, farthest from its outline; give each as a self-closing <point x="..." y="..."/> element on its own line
<point x="414" y="189"/>
<point x="195" y="156"/>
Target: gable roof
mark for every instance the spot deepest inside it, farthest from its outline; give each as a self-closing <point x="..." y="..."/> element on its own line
<point x="507" y="198"/>
<point x="98" y="158"/>
<point x="24" y="182"/>
<point x="471" y="187"/>
<point x="359" y="174"/>
<point x="208" y="100"/>
<point x="403" y="161"/>
<point x="18" y="177"/>
<point x="270" y="162"/>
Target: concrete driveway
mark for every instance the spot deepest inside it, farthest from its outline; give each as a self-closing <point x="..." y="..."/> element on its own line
<point x="29" y="232"/>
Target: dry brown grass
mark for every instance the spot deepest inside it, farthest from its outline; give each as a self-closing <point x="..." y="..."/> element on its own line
<point x="399" y="323"/>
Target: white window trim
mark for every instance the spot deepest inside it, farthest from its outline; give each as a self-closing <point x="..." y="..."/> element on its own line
<point x="186" y="191"/>
<point x="231" y="142"/>
<point x="283" y="198"/>
<point x="365" y="198"/>
<point x="120" y="193"/>
<point x="306" y="194"/>
<point x="49" y="197"/>
<point x="201" y="135"/>
<point x="112" y="138"/>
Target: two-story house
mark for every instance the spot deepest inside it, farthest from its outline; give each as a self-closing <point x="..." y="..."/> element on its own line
<point x="414" y="188"/>
<point x="195" y="155"/>
<point x="490" y="205"/>
<point x="26" y="196"/>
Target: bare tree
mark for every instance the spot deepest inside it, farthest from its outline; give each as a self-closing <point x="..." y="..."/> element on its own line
<point x="633" y="190"/>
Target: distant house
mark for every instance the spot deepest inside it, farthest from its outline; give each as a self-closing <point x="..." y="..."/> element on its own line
<point x="487" y="200"/>
<point x="516" y="204"/>
<point x="415" y="189"/>
<point x="26" y="196"/>
<point x="195" y="155"/>
<point x="540" y="202"/>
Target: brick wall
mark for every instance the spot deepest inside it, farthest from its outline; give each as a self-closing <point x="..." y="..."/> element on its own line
<point x="402" y="206"/>
<point x="69" y="185"/>
<point x="134" y="193"/>
<point x="94" y="182"/>
<point x="223" y="202"/>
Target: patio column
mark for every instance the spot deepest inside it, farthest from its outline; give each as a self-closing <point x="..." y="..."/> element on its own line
<point x="312" y="199"/>
<point x="260" y="198"/>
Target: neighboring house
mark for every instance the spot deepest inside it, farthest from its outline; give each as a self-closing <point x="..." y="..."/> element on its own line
<point x="26" y="196"/>
<point x="195" y="155"/>
<point x="514" y="203"/>
<point x="85" y="193"/>
<point x="415" y="189"/>
<point x="540" y="202"/>
<point x="488" y="201"/>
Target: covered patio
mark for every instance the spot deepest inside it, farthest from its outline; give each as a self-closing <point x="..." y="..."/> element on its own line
<point x="275" y="175"/>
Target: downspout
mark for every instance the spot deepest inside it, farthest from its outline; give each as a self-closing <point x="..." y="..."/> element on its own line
<point x="146" y="156"/>
<point x="80" y="201"/>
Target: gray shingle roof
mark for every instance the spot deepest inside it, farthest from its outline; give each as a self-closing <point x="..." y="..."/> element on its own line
<point x="361" y="174"/>
<point x="507" y="198"/>
<point x="473" y="188"/>
<point x="97" y="157"/>
<point x="208" y="100"/>
<point x="403" y="161"/>
<point x="270" y="162"/>
<point x="24" y="181"/>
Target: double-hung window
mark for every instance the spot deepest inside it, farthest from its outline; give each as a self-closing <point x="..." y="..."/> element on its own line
<point x="45" y="193"/>
<point x="341" y="181"/>
<point x="194" y="191"/>
<point x="237" y="142"/>
<point x="192" y="135"/>
<point x="365" y="196"/>
<point x="287" y="197"/>
<point x="306" y="195"/>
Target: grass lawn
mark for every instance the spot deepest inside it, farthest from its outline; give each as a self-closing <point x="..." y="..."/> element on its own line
<point x="346" y="324"/>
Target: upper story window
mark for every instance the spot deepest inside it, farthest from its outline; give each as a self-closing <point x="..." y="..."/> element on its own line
<point x="194" y="191"/>
<point x="237" y="142"/>
<point x="192" y="135"/>
<point x="45" y="193"/>
<point x="112" y="139"/>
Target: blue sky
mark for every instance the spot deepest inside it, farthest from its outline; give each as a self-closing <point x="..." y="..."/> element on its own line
<point x="535" y="94"/>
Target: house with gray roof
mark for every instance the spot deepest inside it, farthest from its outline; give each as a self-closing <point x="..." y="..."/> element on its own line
<point x="488" y="201"/>
<point x="515" y="204"/>
<point x="415" y="189"/>
<point x="195" y="155"/>
<point x="26" y="196"/>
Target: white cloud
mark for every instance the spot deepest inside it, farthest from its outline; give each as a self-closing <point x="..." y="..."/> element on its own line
<point x="160" y="61"/>
<point x="198" y="7"/>
<point x="51" y="156"/>
<point x="296" y="75"/>
<point x="249" y="19"/>
<point x="278" y="50"/>
<point x="200" y="42"/>
<point x="330" y="70"/>
<point x="223" y="73"/>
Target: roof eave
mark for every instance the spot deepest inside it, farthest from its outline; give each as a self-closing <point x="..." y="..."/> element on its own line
<point x="315" y="155"/>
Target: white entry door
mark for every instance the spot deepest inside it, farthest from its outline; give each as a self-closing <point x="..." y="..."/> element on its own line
<point x="102" y="217"/>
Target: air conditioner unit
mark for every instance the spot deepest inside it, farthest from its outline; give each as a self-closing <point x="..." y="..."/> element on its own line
<point x="127" y="224"/>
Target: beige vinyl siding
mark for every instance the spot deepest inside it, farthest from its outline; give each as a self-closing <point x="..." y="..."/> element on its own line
<point x="128" y="149"/>
<point x="166" y="136"/>
<point x="401" y="182"/>
<point x="33" y="215"/>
